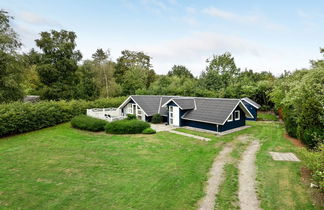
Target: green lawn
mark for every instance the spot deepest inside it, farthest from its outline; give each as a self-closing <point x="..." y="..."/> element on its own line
<point x="61" y="167"/>
<point x="279" y="183"/>
<point x="267" y="117"/>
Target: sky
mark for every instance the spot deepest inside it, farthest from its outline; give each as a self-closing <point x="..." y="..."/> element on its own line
<point x="261" y="35"/>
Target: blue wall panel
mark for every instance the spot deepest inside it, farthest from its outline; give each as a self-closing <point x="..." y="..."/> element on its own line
<point x="195" y="124"/>
<point x="234" y="123"/>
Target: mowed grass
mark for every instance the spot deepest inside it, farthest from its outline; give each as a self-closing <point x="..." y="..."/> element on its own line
<point x="64" y="168"/>
<point x="267" y="117"/>
<point x="279" y="183"/>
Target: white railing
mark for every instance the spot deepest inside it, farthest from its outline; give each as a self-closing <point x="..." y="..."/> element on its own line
<point x="109" y="114"/>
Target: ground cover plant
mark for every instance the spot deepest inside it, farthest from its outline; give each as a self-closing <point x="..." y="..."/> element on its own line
<point x="148" y="131"/>
<point x="85" y="122"/>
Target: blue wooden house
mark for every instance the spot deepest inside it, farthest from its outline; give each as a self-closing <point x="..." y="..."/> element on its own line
<point x="216" y="114"/>
<point x="252" y="107"/>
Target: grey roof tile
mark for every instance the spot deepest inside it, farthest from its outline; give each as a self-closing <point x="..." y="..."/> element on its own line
<point x="185" y="103"/>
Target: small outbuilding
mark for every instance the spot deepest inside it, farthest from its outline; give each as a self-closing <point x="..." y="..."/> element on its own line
<point x="252" y="106"/>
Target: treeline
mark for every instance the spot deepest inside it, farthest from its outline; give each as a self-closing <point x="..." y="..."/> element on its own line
<point x="56" y="72"/>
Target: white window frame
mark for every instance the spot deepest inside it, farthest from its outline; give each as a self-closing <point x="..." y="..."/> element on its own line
<point x="171" y="113"/>
<point x="230" y="119"/>
<point x="237" y="118"/>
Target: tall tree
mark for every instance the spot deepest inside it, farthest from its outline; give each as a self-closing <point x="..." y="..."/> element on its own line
<point x="180" y="71"/>
<point x="220" y="72"/>
<point x="133" y="61"/>
<point x="58" y="64"/>
<point x="100" y="57"/>
<point x="87" y="88"/>
<point x="10" y="61"/>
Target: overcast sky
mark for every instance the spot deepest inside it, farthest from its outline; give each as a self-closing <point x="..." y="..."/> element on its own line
<point x="262" y="35"/>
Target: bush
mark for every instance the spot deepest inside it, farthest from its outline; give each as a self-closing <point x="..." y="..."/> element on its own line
<point x="149" y="131"/>
<point x="131" y="117"/>
<point x="157" y="118"/>
<point x="21" y="117"/>
<point x="126" y="126"/>
<point x="84" y="122"/>
<point x="315" y="162"/>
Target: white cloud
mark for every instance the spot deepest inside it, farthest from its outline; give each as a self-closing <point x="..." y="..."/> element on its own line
<point x="193" y="50"/>
<point x="33" y="18"/>
<point x="190" y="10"/>
<point x="246" y="19"/>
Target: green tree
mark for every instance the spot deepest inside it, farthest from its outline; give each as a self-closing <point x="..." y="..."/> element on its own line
<point x="87" y="88"/>
<point x="133" y="61"/>
<point x="10" y="62"/>
<point x="180" y="71"/>
<point x="58" y="64"/>
<point x="220" y="72"/>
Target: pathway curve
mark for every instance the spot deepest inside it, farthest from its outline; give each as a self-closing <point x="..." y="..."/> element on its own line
<point x="216" y="177"/>
<point x="247" y="178"/>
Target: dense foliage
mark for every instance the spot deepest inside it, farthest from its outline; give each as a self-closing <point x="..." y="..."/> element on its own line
<point x="10" y="62"/>
<point x="22" y="117"/>
<point x="300" y="96"/>
<point x="314" y="161"/>
<point x="131" y="117"/>
<point x="157" y="118"/>
<point x="149" y="131"/>
<point x="85" y="122"/>
<point x="126" y="126"/>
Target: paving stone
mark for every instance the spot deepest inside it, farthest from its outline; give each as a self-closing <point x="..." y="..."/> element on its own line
<point x="284" y="156"/>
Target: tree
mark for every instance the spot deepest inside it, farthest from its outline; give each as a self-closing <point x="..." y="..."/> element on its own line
<point x="100" y="57"/>
<point x="87" y="88"/>
<point x="220" y="72"/>
<point x="133" y="61"/>
<point x="180" y="71"/>
<point x="10" y="62"/>
<point x="58" y="64"/>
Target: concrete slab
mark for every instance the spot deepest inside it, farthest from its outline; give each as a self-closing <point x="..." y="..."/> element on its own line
<point x="217" y="133"/>
<point x="190" y="135"/>
<point x="284" y="156"/>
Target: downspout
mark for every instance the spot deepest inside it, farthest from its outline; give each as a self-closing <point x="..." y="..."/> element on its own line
<point x="217" y="128"/>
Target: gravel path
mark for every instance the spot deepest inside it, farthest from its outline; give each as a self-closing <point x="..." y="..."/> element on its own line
<point x="216" y="177"/>
<point x="247" y="175"/>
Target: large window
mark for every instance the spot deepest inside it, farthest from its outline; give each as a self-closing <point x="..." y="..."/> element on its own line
<point x="237" y="115"/>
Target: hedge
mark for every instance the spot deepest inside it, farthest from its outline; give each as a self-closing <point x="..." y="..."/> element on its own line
<point x="85" y="122"/>
<point x="21" y="117"/>
<point x="157" y="118"/>
<point x="149" y="131"/>
<point x="126" y="126"/>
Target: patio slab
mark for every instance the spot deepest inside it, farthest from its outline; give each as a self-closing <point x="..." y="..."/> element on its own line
<point x="284" y="156"/>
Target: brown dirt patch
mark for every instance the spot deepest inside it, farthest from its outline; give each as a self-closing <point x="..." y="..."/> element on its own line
<point x="295" y="141"/>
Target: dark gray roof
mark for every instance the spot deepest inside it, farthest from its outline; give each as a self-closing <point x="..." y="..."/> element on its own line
<point x="150" y="104"/>
<point x="185" y="103"/>
<point x="252" y="102"/>
<point x="213" y="110"/>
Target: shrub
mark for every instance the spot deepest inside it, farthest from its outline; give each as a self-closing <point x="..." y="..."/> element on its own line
<point x="315" y="162"/>
<point x="149" y="131"/>
<point x="126" y="127"/>
<point x="21" y="117"/>
<point x="157" y="118"/>
<point x="84" y="122"/>
<point x="131" y="117"/>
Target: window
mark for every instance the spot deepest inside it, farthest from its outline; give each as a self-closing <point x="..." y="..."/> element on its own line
<point x="237" y="115"/>
<point x="171" y="115"/>
<point x="230" y="119"/>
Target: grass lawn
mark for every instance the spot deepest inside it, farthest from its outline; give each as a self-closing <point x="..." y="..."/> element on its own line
<point x="280" y="184"/>
<point x="61" y="167"/>
<point x="267" y="116"/>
